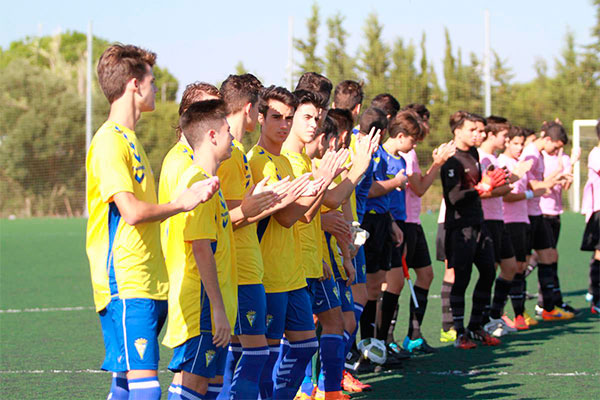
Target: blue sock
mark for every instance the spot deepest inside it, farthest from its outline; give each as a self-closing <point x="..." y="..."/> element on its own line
<point x="233" y="356"/>
<point x="213" y="391"/>
<point x="266" y="377"/>
<point x="174" y="392"/>
<point x="284" y="347"/>
<point x="248" y="372"/>
<point x="347" y="342"/>
<point x="290" y="372"/>
<point x="332" y="361"/>
<point x="189" y="394"/>
<point x="144" y="389"/>
<point x="119" y="390"/>
<point x="358" y="310"/>
<point x="307" y="385"/>
<point x="321" y="381"/>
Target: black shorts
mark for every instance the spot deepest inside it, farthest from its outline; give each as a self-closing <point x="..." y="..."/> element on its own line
<point x="468" y="245"/>
<point x="591" y="235"/>
<point x="518" y="233"/>
<point x="440" y="239"/>
<point x="540" y="237"/>
<point x="417" y="251"/>
<point x="503" y="248"/>
<point x="554" y="222"/>
<point x="378" y="248"/>
<point x="398" y="251"/>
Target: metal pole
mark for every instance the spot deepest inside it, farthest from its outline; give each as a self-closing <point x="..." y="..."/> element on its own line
<point x="575" y="188"/>
<point x="88" y="101"/>
<point x="290" y="66"/>
<point x="486" y="66"/>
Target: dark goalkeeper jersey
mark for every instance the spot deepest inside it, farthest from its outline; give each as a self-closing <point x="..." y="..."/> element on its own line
<point x="459" y="176"/>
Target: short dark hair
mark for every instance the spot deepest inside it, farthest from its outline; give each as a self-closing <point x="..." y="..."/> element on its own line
<point x="348" y="94"/>
<point x="556" y="132"/>
<point x="458" y="119"/>
<point x="200" y="117"/>
<point x="194" y="92"/>
<point x="408" y="123"/>
<point x="386" y="103"/>
<point x="329" y="128"/>
<point x="515" y="131"/>
<point x="307" y="97"/>
<point x="120" y="63"/>
<point x="316" y="83"/>
<point x="496" y="124"/>
<point x="239" y="90"/>
<point x="373" y="118"/>
<point x="342" y="117"/>
<point x="277" y="93"/>
<point x="419" y="109"/>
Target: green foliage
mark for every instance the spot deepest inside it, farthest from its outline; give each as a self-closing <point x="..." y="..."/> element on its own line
<point x="374" y="58"/>
<point x="339" y="65"/>
<point x="312" y="63"/>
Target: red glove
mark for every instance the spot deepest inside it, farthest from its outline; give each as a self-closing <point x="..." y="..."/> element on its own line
<point x="491" y="179"/>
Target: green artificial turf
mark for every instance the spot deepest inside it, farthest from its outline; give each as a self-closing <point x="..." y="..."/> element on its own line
<point x="55" y="352"/>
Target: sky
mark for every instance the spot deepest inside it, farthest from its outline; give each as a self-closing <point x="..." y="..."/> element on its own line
<point x="204" y="40"/>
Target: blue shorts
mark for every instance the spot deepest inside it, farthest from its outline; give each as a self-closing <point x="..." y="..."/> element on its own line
<point x="289" y="311"/>
<point x="324" y="294"/>
<point x="199" y="356"/>
<point x="252" y="310"/>
<point x="130" y="329"/>
<point x="360" y="265"/>
<point x="346" y="297"/>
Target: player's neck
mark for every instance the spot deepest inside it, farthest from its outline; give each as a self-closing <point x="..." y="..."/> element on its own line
<point x="487" y="147"/>
<point x="237" y="125"/>
<point x="124" y="112"/>
<point x="270" y="146"/>
<point x="460" y="145"/>
<point x="208" y="162"/>
<point x="539" y="143"/>
<point x="293" y="143"/>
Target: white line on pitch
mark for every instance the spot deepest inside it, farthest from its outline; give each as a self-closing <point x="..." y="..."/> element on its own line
<point x="33" y="310"/>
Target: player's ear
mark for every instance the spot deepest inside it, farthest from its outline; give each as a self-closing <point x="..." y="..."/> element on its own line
<point x="358" y="108"/>
<point x="261" y="118"/>
<point x="247" y="108"/>
<point x="212" y="135"/>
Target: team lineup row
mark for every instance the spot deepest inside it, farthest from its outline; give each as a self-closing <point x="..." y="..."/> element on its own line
<point x="317" y="223"/>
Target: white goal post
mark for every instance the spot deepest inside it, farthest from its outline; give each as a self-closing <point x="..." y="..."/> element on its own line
<point x="575" y="193"/>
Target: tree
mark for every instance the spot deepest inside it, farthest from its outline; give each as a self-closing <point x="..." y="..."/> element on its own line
<point x="312" y="63"/>
<point x="403" y="74"/>
<point x="339" y="66"/>
<point x="374" y="58"/>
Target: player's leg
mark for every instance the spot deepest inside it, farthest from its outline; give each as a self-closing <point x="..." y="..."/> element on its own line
<point x="448" y="333"/>
<point x="595" y="281"/>
<point x="113" y="360"/>
<point x="591" y="242"/>
<point x="275" y="321"/>
<point x="300" y="332"/>
<point x="519" y="236"/>
<point x="253" y="350"/>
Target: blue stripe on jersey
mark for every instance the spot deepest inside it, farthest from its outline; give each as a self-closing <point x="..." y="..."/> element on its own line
<point x="205" y="314"/>
<point x="334" y="266"/>
<point x="114" y="217"/>
<point x="262" y="227"/>
<point x="381" y="204"/>
<point x="213" y="246"/>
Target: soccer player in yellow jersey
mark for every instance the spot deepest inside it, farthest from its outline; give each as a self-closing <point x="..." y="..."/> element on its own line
<point x="288" y="301"/>
<point x="129" y="277"/>
<point x="203" y="275"/>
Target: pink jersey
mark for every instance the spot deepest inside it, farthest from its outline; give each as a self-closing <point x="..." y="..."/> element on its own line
<point x="492" y="207"/>
<point x="551" y="203"/>
<point x="536" y="173"/>
<point x="591" y="190"/>
<point x="413" y="202"/>
<point x="514" y="211"/>
<point x="442" y="215"/>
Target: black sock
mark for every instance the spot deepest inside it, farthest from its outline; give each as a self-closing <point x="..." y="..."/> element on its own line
<point x="546" y="279"/>
<point x="500" y="295"/>
<point x="415" y="319"/>
<point x="517" y="294"/>
<point x="367" y="320"/>
<point x="462" y="276"/>
<point x="595" y="280"/>
<point x="388" y="306"/>
<point x="446" y="310"/>
<point x="482" y="295"/>
<point x="556" y="294"/>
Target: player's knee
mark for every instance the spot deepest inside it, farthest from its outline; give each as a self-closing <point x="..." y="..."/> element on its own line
<point x="425" y="276"/>
<point x="332" y="321"/>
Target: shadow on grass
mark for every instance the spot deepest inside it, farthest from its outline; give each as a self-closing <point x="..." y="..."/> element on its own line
<point x="467" y="374"/>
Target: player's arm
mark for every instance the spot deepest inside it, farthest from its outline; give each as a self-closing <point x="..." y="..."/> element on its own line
<point x="135" y="211"/>
<point x="347" y="263"/>
<point x="420" y="183"/>
<point x="528" y="194"/>
<point x="499" y="191"/>
<point x="452" y="176"/>
<point x="207" y="268"/>
<point x="381" y="188"/>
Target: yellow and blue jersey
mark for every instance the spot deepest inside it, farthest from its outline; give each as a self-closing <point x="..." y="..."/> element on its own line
<point x="381" y="204"/>
<point x="363" y="187"/>
<point x="280" y="246"/>
<point x="397" y="198"/>
<point x="331" y="251"/>
<point x="178" y="159"/>
<point x="236" y="179"/>
<point x="189" y="310"/>
<point x="125" y="261"/>
<point x="310" y="234"/>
